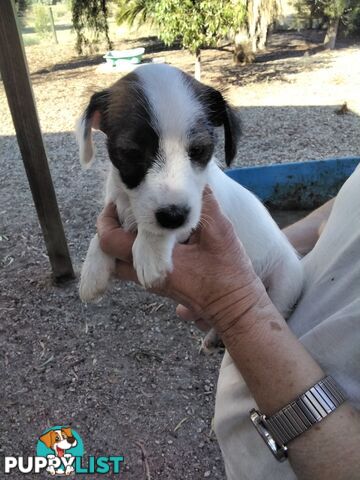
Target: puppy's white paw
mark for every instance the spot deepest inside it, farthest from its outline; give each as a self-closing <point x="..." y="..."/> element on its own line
<point x="94" y="280"/>
<point x="51" y="469"/>
<point x="69" y="470"/>
<point x="211" y="343"/>
<point x="152" y="261"/>
<point x="95" y="273"/>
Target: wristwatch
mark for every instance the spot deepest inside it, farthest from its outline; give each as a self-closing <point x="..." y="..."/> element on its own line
<point x="298" y="416"/>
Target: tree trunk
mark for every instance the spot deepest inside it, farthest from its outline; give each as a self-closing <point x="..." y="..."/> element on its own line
<point x="260" y="16"/>
<point x="198" y="64"/>
<point x="331" y="34"/>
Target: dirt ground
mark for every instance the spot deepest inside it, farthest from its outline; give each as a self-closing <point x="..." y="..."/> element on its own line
<point x="126" y="370"/>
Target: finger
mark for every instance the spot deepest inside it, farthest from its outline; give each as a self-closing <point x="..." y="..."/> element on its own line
<point x="125" y="271"/>
<point x="195" y="236"/>
<point x="114" y="240"/>
<point x="189" y="316"/>
<point x="210" y="208"/>
<point x="214" y="223"/>
<point x="202" y="325"/>
<point x="118" y="243"/>
<point x="108" y="219"/>
<point x="186" y="314"/>
<point x="206" y="216"/>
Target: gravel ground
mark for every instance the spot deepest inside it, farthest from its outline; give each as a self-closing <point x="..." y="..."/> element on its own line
<point x="126" y="370"/>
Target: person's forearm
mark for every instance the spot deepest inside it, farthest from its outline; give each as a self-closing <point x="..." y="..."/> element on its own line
<point x="277" y="369"/>
<point x="275" y="365"/>
<point x="305" y="233"/>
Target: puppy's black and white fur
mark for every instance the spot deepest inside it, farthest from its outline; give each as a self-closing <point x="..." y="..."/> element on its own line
<point x="160" y="125"/>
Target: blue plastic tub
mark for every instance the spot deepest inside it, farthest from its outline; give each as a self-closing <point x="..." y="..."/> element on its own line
<point x="300" y="185"/>
<point x="117" y="57"/>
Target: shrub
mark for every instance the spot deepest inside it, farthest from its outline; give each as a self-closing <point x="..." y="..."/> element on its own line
<point x="322" y="11"/>
<point x="352" y="19"/>
<point x="42" y="22"/>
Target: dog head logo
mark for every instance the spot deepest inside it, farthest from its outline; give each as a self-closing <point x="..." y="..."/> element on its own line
<point x="60" y="445"/>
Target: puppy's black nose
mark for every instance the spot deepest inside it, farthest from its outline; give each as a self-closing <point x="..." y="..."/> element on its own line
<point x="172" y="216"/>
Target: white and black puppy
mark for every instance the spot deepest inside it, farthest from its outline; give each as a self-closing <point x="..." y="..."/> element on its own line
<point x="160" y="126"/>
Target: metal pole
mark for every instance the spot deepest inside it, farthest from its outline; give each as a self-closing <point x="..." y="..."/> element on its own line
<point x="53" y="26"/>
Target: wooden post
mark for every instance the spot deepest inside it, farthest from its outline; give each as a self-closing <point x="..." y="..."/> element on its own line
<point x="15" y="75"/>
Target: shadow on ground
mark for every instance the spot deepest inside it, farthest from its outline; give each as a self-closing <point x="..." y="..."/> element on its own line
<point x="281" y="58"/>
<point x="152" y="45"/>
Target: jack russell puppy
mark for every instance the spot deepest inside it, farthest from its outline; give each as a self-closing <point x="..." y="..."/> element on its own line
<point x="60" y="441"/>
<point x="160" y="126"/>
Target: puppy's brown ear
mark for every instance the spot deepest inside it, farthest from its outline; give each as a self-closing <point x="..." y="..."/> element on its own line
<point x="220" y="113"/>
<point x="67" y="431"/>
<point x="92" y="118"/>
<point x="48" y="438"/>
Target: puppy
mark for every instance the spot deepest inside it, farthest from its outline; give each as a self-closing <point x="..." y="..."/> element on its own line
<point x="59" y="441"/>
<point x="160" y="126"/>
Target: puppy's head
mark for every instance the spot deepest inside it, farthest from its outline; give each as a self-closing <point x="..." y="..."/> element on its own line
<point x="159" y="124"/>
<point x="59" y="440"/>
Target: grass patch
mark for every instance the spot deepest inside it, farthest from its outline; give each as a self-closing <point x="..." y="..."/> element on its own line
<point x="30" y="39"/>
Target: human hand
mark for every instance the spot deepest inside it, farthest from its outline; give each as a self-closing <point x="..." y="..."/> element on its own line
<point x="212" y="275"/>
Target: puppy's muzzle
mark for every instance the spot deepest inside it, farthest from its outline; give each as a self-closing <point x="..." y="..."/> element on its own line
<point x="172" y="216"/>
<point x="71" y="440"/>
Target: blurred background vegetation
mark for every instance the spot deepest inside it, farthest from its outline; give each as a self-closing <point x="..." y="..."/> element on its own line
<point x="93" y="25"/>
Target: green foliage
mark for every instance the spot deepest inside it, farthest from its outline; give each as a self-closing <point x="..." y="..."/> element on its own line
<point x="351" y="17"/>
<point x="197" y="24"/>
<point x="60" y="11"/>
<point x="141" y="11"/>
<point x="90" y="22"/>
<point x="334" y="8"/>
<point x="21" y="6"/>
<point x="324" y="10"/>
<point x="194" y="23"/>
<point x="42" y="21"/>
<point x="321" y="9"/>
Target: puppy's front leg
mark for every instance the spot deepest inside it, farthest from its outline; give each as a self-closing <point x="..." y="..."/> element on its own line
<point x="51" y="469"/>
<point x="95" y="272"/>
<point x="152" y="257"/>
<point x="211" y="342"/>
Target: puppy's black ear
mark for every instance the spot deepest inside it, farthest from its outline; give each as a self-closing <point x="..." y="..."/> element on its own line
<point x="94" y="117"/>
<point x="220" y="113"/>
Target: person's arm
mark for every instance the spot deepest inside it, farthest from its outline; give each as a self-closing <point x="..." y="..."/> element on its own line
<point x="277" y="369"/>
<point x="306" y="232"/>
<point x="213" y="277"/>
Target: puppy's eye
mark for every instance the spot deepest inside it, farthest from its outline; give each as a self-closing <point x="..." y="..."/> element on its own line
<point x="200" y="154"/>
<point x="57" y="438"/>
<point x="197" y="151"/>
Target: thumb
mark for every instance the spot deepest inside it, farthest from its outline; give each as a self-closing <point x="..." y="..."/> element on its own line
<point x="213" y="221"/>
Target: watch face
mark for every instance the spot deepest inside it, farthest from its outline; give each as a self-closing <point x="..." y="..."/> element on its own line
<point x="259" y="422"/>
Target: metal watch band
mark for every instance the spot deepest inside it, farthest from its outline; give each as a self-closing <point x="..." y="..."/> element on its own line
<point x="298" y="416"/>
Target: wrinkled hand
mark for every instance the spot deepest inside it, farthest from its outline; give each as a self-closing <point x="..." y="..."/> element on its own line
<point x="212" y="274"/>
